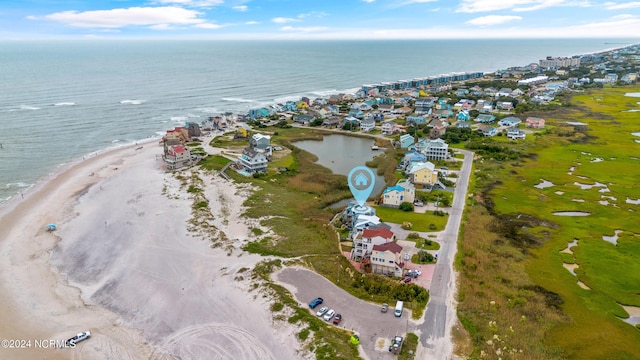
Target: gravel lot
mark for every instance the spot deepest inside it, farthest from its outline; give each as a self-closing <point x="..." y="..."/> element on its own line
<point x="374" y="327"/>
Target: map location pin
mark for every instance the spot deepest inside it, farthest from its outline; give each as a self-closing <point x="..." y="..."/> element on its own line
<point x="361" y="181"/>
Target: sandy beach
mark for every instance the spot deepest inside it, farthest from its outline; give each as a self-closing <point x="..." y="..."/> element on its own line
<point x="123" y="265"/>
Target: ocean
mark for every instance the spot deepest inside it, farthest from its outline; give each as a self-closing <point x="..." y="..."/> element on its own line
<point x="62" y="100"/>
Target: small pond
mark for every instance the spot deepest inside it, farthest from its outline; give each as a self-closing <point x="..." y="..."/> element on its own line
<point x="571" y="213"/>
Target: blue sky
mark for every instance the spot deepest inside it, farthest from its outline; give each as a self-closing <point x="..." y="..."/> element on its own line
<point x="317" y="19"/>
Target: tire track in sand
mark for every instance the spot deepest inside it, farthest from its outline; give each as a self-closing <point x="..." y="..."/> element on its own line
<point x="212" y="341"/>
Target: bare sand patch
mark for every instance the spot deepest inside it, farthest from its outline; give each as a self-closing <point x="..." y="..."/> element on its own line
<point x="578" y="200"/>
<point x="583" y="285"/>
<point x="569" y="246"/>
<point x="571" y="213"/>
<point x="571" y="267"/>
<point x="559" y="192"/>
<point x="124" y="266"/>
<point x="632" y="201"/>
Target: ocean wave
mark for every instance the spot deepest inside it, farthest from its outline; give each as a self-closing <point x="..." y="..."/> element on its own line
<point x="232" y="99"/>
<point x="132" y="102"/>
<point x="284" y="99"/>
<point x="208" y="110"/>
<point x="27" y="107"/>
<point x="64" y="104"/>
<point x="178" y="119"/>
<point x="115" y="141"/>
<point x="18" y="185"/>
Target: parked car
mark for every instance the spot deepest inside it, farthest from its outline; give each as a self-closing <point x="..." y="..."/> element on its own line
<point x="384" y="308"/>
<point x="411" y="274"/>
<point x="406" y="279"/>
<point x="79" y="337"/>
<point x="396" y="344"/>
<point x="322" y="311"/>
<point x="337" y="319"/>
<point x="329" y="315"/>
<point x="315" y="302"/>
<point x="418" y="203"/>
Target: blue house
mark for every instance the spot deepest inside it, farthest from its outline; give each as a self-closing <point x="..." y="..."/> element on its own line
<point x="358" y="114"/>
<point x="418" y="120"/>
<point x="463" y="116"/>
<point x="485" y="118"/>
<point x="290" y="106"/>
<point x="411" y="158"/>
<point x="406" y="140"/>
<point x="510" y="121"/>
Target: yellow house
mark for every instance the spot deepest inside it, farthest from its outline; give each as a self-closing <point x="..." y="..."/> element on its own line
<point x="302" y="105"/>
<point x="423" y="174"/>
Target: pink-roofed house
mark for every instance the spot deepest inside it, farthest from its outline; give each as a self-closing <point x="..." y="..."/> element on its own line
<point x="177" y="156"/>
<point x="386" y="259"/>
<point x="363" y="242"/>
<point x="534" y="122"/>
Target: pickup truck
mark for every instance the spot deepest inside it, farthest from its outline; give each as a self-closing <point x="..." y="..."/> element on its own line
<point x="384" y="308"/>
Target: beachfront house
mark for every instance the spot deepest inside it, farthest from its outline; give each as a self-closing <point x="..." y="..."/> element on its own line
<point x="534" y="122"/>
<point x="364" y="241"/>
<point x="386" y="259"/>
<point x="177" y="157"/>
<point x="406" y="140"/>
<point x="395" y="195"/>
<point x="423" y="175"/>
<point x="262" y="144"/>
<point x="252" y="161"/>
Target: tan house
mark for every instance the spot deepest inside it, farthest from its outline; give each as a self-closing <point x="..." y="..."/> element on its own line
<point x="395" y="195"/>
<point x="534" y="122"/>
<point x="386" y="259"/>
<point x="364" y="241"/>
<point x="423" y="174"/>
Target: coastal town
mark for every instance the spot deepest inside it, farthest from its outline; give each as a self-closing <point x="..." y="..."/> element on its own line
<point x="424" y="119"/>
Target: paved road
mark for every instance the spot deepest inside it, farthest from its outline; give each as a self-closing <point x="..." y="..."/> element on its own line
<point x="360" y="316"/>
<point x="435" y="331"/>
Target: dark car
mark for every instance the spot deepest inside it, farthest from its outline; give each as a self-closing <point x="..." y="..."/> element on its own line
<point x="315" y="302"/>
<point x="337" y="319"/>
<point x="406" y="280"/>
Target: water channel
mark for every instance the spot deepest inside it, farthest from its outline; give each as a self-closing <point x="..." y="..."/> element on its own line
<point x="341" y="153"/>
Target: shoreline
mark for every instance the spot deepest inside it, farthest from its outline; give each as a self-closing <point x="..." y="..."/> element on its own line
<point x="117" y="244"/>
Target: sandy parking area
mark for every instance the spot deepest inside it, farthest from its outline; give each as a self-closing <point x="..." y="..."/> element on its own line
<point x="123" y="266"/>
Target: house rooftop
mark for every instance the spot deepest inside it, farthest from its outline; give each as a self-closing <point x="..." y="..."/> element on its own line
<point x="388" y="246"/>
<point x="381" y="232"/>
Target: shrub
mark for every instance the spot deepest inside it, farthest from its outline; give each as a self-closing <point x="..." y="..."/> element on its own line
<point x="424" y="256"/>
<point x="407" y="225"/>
<point x="406" y="206"/>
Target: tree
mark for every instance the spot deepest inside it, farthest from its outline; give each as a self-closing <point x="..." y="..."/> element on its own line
<point x="424" y="256"/>
<point x="316" y="122"/>
<point x="406" y="206"/>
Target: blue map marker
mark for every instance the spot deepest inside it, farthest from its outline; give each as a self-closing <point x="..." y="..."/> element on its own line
<point x="361" y="182"/>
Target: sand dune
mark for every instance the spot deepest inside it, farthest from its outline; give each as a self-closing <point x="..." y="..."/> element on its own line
<point x="124" y="266"/>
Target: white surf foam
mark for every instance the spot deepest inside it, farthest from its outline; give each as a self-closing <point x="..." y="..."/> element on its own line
<point x="132" y="102"/>
<point x="241" y="100"/>
<point x="27" y="107"/>
<point x="18" y="185"/>
<point x="64" y="104"/>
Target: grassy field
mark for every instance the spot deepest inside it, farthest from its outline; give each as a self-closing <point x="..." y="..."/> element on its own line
<point x="528" y="294"/>
<point x="420" y="222"/>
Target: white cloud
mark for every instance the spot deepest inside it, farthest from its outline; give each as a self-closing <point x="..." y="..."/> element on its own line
<point x="240" y="8"/>
<point x="252" y="23"/>
<point x="616" y="6"/>
<point x="472" y="6"/>
<point x="318" y="14"/>
<point x="191" y="3"/>
<point x="493" y="20"/>
<point x="303" y="29"/>
<point x="368" y="1"/>
<point x="208" y="26"/>
<point x="407" y="2"/>
<point x="283" y="20"/>
<point x="116" y="18"/>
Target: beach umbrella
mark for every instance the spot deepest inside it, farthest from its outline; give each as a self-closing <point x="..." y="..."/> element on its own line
<point x="51" y="227"/>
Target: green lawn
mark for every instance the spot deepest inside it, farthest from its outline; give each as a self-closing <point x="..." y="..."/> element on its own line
<point x="420" y="222"/>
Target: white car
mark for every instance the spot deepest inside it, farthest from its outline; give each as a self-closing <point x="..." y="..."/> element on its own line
<point x="329" y="315"/>
<point x="322" y="311"/>
<point x="76" y="339"/>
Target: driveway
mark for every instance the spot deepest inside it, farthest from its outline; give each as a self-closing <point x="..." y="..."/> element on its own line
<point x="374" y="327"/>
